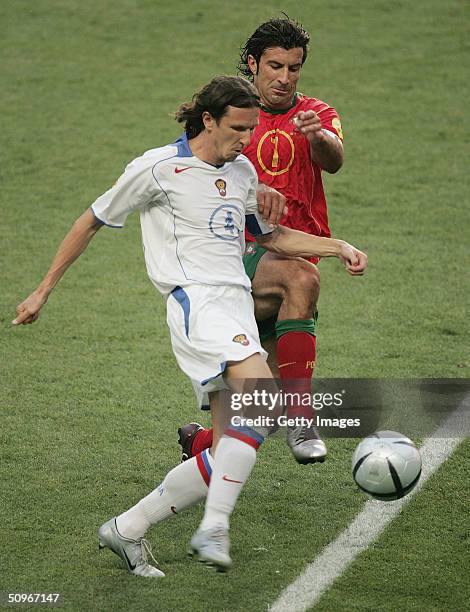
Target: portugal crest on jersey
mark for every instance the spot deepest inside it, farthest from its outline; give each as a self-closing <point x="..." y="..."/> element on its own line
<point x="275" y="152"/>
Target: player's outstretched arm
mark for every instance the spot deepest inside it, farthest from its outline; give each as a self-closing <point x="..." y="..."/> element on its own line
<point x="74" y="243"/>
<point x="286" y="241"/>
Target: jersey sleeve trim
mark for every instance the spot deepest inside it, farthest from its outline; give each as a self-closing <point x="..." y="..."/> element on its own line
<point x="104" y="222"/>
<point x="256" y="226"/>
<point x="332" y="133"/>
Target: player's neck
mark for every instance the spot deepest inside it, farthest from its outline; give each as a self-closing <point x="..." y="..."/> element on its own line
<point x="277" y="110"/>
<point x="203" y="149"/>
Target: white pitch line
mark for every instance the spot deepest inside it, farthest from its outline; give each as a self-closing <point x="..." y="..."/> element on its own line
<point x="319" y="575"/>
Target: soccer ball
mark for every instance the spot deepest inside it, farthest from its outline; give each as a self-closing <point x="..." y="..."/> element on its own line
<point x="386" y="465"/>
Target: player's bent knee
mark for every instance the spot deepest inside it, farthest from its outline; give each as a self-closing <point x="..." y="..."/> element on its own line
<point x="304" y="278"/>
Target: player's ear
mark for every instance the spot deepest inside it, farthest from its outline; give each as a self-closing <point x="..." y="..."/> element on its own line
<point x="252" y="65"/>
<point x="208" y="120"/>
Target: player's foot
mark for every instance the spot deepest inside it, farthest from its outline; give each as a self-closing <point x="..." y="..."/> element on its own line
<point x="134" y="553"/>
<point x="212" y="547"/>
<point x="185" y="439"/>
<point x="305" y="444"/>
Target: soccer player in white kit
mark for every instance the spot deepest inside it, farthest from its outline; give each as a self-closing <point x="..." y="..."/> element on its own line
<point x="194" y="196"/>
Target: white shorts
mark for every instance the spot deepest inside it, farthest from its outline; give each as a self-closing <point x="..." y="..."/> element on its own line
<point x="209" y="326"/>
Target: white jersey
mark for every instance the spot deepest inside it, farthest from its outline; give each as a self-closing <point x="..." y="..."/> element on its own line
<point x="192" y="215"/>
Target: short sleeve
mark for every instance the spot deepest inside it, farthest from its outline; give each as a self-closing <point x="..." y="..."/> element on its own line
<point x="329" y="117"/>
<point x="251" y="201"/>
<point x="133" y="190"/>
<point x="330" y="121"/>
<point x="255" y="223"/>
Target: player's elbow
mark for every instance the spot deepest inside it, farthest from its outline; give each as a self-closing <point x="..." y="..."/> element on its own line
<point x="334" y="164"/>
<point x="334" y="161"/>
<point x="333" y="169"/>
<point x="90" y="220"/>
<point x="86" y="226"/>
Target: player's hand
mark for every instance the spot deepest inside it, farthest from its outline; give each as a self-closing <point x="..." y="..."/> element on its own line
<point x="271" y="204"/>
<point x="354" y="260"/>
<point x="309" y="125"/>
<point x="28" y="311"/>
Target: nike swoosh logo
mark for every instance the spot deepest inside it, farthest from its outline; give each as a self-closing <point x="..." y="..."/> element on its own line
<point x="178" y="170"/>
<point x="131" y="567"/>
<point x="173" y="509"/>
<point x="283" y="365"/>
<point x="225" y="477"/>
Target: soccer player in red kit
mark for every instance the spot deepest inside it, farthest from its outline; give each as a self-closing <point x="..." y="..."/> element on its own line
<point x="297" y="138"/>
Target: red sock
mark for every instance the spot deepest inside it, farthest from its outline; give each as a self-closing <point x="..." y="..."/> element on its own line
<point x="296" y="353"/>
<point x="202" y="440"/>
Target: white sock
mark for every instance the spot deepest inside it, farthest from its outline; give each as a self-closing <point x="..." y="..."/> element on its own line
<point x="184" y="486"/>
<point x="233" y="463"/>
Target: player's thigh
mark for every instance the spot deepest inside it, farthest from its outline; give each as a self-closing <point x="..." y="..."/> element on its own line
<point x="239" y="373"/>
<point x="278" y="277"/>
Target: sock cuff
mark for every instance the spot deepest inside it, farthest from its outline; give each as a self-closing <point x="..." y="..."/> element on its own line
<point x="245" y="434"/>
<point x="204" y="463"/>
<point x="296" y="325"/>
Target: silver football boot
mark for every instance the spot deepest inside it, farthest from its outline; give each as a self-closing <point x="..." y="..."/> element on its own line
<point x="134" y="553"/>
<point x="212" y="547"/>
<point x="306" y="445"/>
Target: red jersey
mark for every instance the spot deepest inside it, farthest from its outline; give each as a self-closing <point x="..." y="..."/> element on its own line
<point x="283" y="160"/>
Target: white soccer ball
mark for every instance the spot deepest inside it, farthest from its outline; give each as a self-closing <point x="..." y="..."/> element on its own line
<point x="386" y="465"/>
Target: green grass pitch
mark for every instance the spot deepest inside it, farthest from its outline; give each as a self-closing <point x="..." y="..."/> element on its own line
<point x="90" y="396"/>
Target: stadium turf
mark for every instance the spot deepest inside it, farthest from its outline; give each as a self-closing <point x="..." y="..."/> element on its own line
<point x="91" y="397"/>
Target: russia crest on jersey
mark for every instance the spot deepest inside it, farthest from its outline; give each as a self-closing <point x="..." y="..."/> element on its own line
<point x="241" y="339"/>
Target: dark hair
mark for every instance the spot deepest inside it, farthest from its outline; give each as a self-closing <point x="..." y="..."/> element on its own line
<point x="221" y="92"/>
<point x="280" y="32"/>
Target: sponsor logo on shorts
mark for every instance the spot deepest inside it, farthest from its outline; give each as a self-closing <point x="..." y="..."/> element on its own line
<point x="241" y="339"/>
<point x="221" y="185"/>
<point x="310" y="365"/>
